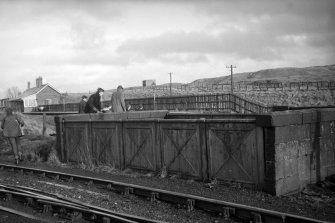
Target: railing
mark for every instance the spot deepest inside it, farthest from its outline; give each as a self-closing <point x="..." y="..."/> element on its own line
<point x="205" y="102"/>
<point x="256" y="86"/>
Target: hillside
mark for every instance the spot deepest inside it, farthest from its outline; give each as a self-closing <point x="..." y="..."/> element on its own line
<point x="316" y="73"/>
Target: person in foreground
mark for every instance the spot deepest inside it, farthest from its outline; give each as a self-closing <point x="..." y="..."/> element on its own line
<point x="93" y="104"/>
<point x="11" y="125"/>
<point x="118" y="104"/>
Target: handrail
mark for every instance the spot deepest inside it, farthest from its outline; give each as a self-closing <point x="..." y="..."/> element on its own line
<point x="210" y="102"/>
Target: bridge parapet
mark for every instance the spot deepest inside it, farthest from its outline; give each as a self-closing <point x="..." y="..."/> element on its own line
<point x="279" y="152"/>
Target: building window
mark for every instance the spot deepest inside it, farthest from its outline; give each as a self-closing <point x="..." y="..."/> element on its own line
<point x="47" y="101"/>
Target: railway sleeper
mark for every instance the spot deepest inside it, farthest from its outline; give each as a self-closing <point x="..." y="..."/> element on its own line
<point x="190" y="204"/>
<point x="8" y="197"/>
<point x="154" y="196"/>
<point x="71" y="179"/>
<point x="127" y="191"/>
<point x="70" y="214"/>
<point x="29" y="202"/>
<point x="56" y="177"/>
<point x="227" y="212"/>
<point x="75" y="215"/>
<point x="120" y="189"/>
<point x="93" y="217"/>
<point x="89" y="183"/>
<point x="110" y="187"/>
<point x="46" y="208"/>
<point x="257" y="217"/>
<point x="106" y="220"/>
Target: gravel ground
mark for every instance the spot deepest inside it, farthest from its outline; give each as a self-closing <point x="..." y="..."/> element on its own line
<point x="316" y="201"/>
<point x="114" y="201"/>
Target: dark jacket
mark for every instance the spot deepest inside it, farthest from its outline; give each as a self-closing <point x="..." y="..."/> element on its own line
<point x="82" y="105"/>
<point x="118" y="104"/>
<point x="93" y="104"/>
<point x="11" y="125"/>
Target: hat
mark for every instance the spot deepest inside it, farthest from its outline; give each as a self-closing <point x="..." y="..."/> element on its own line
<point x="119" y="87"/>
<point x="100" y="90"/>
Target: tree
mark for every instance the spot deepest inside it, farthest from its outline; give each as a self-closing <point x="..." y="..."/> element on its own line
<point x="13" y="92"/>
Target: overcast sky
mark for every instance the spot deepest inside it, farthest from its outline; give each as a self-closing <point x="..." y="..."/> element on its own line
<point x="77" y="46"/>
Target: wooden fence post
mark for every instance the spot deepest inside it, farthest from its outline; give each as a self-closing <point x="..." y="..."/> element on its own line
<point x="44" y="124"/>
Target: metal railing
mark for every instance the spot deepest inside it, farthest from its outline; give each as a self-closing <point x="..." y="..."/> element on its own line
<point x="205" y="102"/>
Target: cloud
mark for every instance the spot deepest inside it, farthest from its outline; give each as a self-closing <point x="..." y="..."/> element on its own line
<point x="124" y="41"/>
<point x="243" y="44"/>
<point x="86" y="36"/>
<point x="257" y="30"/>
<point x="84" y="9"/>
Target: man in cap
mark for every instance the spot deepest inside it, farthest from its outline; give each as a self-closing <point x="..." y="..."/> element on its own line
<point x="93" y="104"/>
<point x="118" y="104"/>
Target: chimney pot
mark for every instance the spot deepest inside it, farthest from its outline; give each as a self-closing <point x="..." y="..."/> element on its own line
<point x="39" y="82"/>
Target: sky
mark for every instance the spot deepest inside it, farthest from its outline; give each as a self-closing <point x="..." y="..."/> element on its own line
<point x="78" y="46"/>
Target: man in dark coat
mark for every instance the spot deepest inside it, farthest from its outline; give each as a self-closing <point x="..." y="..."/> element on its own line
<point x="118" y="104"/>
<point x="11" y="125"/>
<point x="82" y="104"/>
<point x="93" y="104"/>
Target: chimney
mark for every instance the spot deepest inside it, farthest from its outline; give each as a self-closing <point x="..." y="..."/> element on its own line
<point x="28" y="85"/>
<point x="39" y="81"/>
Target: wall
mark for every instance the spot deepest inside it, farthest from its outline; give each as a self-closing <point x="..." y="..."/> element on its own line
<point x="278" y="152"/>
<point x="299" y="148"/>
<point x="29" y="103"/>
<point x="48" y="93"/>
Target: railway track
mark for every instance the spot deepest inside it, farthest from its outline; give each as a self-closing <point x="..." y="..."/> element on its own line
<point x="190" y="202"/>
<point x="66" y="208"/>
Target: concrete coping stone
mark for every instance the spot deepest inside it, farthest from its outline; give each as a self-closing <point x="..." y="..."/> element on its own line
<point x="295" y="117"/>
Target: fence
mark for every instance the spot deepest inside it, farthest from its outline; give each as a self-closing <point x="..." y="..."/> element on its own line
<point x="206" y="102"/>
<point x="256" y="86"/>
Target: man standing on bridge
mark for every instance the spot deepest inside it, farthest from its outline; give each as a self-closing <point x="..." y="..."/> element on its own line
<point x="118" y="104"/>
<point x="93" y="104"/>
<point x="82" y="104"/>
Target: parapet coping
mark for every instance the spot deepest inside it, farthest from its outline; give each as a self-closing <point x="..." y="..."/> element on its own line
<point x="296" y="117"/>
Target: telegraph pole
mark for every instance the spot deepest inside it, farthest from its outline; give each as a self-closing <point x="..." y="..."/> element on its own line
<point x="170" y="84"/>
<point x="231" y="77"/>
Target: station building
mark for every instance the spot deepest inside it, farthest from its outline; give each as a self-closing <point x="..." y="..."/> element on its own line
<point x="33" y="97"/>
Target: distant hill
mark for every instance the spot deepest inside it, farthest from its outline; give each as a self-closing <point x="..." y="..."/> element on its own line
<point x="289" y="74"/>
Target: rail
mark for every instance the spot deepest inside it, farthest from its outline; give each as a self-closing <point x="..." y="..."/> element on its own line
<point x="256" y="86"/>
<point x="206" y="102"/>
<point x="66" y="207"/>
<point x="191" y="202"/>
